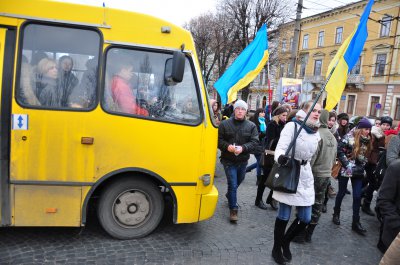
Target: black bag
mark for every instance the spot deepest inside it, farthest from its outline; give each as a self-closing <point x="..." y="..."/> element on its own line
<point x="268" y="161"/>
<point x="285" y="178"/>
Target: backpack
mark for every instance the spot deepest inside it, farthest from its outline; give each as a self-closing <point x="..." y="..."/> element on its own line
<point x="381" y="166"/>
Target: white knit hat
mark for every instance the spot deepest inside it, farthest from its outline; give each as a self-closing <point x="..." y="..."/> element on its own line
<point x="240" y="103"/>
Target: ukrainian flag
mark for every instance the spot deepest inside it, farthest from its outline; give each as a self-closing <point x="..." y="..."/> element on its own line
<point x="345" y="59"/>
<point x="245" y="68"/>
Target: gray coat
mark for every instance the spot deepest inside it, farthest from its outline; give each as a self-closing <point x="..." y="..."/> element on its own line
<point x="393" y="149"/>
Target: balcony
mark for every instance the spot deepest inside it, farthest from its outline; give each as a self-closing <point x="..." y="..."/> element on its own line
<point x="316" y="79"/>
<point x="356" y="80"/>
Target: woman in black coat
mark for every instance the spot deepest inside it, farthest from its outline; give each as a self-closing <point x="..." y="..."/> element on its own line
<point x="273" y="133"/>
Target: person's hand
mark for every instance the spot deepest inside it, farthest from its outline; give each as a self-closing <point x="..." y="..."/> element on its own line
<point x="238" y="150"/>
<point x="349" y="170"/>
<point x="231" y="148"/>
<point x="282" y="160"/>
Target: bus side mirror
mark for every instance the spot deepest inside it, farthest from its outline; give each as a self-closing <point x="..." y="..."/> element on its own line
<point x="174" y="69"/>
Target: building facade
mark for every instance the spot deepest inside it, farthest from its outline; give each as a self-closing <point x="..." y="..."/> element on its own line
<point x="373" y="85"/>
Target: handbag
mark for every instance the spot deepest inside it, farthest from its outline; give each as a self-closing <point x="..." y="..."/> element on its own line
<point x="285" y="178"/>
<point x="336" y="169"/>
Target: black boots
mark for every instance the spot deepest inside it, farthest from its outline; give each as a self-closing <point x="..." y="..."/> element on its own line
<point x="260" y="204"/>
<point x="295" y="228"/>
<point x="357" y="227"/>
<point x="309" y="231"/>
<point x="366" y="207"/>
<point x="271" y="201"/>
<point x="279" y="233"/>
<point x="336" y="216"/>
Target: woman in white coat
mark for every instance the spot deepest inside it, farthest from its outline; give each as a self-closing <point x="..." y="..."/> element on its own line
<point x="303" y="199"/>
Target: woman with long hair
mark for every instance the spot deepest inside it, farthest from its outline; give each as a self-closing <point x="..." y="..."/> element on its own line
<point x="303" y="199"/>
<point x="352" y="151"/>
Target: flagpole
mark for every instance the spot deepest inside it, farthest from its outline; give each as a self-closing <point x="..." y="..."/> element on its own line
<point x="310" y="110"/>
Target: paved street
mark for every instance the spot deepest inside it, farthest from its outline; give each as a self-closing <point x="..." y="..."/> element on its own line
<point x="214" y="241"/>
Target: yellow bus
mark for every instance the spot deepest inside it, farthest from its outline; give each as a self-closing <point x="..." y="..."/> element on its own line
<point x="101" y="108"/>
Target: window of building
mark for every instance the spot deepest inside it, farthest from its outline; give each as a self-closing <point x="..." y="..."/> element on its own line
<point x="351" y="101"/>
<point x="397" y="109"/>
<point x="320" y="39"/>
<point x="258" y="102"/>
<point x="291" y="43"/>
<point x="385" y="26"/>
<point x="373" y="111"/>
<point x="317" y="67"/>
<point x="135" y="86"/>
<point x="282" y="70"/>
<point x="289" y="69"/>
<point x="357" y="67"/>
<point x="305" y="41"/>
<point x="339" y="35"/>
<point x="303" y="64"/>
<point x="284" y="45"/>
<point x="59" y="67"/>
<point x="380" y="64"/>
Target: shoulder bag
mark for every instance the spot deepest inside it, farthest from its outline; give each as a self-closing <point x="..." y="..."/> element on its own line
<point x="285" y="178"/>
<point x="336" y="169"/>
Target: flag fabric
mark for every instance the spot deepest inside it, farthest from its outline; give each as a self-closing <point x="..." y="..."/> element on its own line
<point x="345" y="59"/>
<point x="245" y="68"/>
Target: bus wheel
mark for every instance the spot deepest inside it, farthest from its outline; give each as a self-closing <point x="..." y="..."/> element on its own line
<point x="130" y="208"/>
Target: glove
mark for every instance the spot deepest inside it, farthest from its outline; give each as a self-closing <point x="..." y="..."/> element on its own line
<point x="282" y="160"/>
<point x="349" y="171"/>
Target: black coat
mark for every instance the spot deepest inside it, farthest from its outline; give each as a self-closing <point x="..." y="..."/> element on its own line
<point x="243" y="133"/>
<point x="388" y="203"/>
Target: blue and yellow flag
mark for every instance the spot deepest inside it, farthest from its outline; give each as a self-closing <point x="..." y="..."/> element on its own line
<point x="345" y="59"/>
<point x="245" y="68"/>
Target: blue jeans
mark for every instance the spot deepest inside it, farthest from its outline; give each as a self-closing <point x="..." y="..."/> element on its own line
<point x="256" y="165"/>
<point x="303" y="212"/>
<point x="235" y="175"/>
<point x="356" y="183"/>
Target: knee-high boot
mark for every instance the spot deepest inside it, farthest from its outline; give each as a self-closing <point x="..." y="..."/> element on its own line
<point x="279" y="233"/>
<point x="295" y="228"/>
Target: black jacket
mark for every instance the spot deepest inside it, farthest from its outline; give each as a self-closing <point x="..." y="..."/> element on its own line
<point x="388" y="203"/>
<point x="273" y="133"/>
<point x="243" y="133"/>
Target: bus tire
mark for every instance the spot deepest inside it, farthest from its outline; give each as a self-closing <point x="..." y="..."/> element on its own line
<point x="130" y="208"/>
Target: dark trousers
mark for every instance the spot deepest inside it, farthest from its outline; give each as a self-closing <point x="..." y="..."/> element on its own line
<point x="356" y="183"/>
<point x="372" y="182"/>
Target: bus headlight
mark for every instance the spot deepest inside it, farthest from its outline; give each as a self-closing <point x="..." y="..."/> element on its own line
<point x="206" y="179"/>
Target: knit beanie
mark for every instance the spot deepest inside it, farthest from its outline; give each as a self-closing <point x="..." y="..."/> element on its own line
<point x="387" y="119"/>
<point x="279" y="111"/>
<point x="364" y="123"/>
<point x="240" y="104"/>
<point x="343" y="116"/>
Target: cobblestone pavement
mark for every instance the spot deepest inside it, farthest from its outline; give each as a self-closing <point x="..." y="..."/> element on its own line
<point x="214" y="241"/>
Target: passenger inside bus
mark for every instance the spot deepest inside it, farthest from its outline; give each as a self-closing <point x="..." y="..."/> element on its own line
<point x="67" y="79"/>
<point x="122" y="93"/>
<point x="27" y="94"/>
<point x="47" y="83"/>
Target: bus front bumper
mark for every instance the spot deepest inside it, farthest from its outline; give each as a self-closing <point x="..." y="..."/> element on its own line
<point x="208" y="204"/>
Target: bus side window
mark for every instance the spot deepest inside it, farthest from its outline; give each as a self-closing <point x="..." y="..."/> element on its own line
<point x="63" y="69"/>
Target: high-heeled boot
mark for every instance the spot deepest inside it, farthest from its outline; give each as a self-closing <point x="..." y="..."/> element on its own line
<point x="295" y="228"/>
<point x="279" y="233"/>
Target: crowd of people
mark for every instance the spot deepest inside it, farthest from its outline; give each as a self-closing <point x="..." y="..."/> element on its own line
<point x="368" y="155"/>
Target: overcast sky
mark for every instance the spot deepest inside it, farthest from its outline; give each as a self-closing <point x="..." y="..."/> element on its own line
<point x="181" y="11"/>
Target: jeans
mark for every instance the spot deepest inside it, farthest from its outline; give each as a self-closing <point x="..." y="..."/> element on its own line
<point x="235" y="175"/>
<point x="356" y="183"/>
<point x="303" y="212"/>
<point x="256" y="165"/>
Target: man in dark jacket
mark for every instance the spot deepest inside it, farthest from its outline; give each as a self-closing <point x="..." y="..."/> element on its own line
<point x="237" y="138"/>
<point x="388" y="205"/>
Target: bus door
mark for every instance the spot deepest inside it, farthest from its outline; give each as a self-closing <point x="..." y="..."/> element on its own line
<point x="51" y="160"/>
<point x="7" y="51"/>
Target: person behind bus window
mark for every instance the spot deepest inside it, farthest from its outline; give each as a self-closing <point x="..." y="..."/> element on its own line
<point x="122" y="93"/>
<point x="47" y="83"/>
<point x="26" y="93"/>
<point x="67" y="79"/>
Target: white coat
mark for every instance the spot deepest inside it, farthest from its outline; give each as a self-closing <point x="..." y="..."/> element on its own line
<point x="306" y="145"/>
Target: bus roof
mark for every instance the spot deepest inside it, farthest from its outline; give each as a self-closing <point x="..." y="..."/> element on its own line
<point x="116" y="25"/>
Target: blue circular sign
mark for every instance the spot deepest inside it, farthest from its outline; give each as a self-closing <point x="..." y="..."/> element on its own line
<point x="378" y="106"/>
